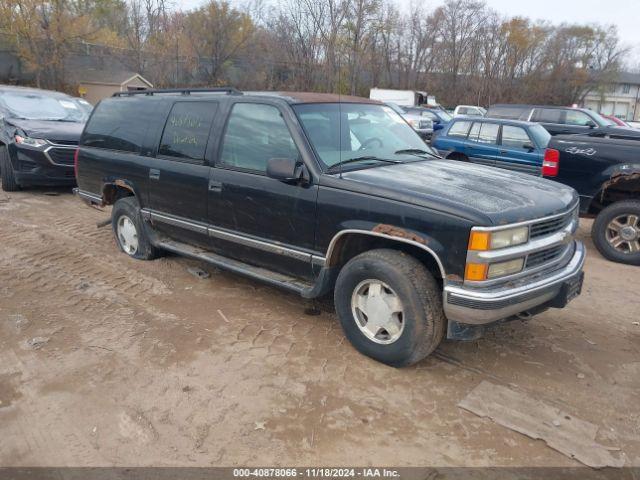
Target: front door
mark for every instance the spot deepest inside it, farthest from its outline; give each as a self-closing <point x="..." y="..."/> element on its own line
<point x="260" y="220"/>
<point x="481" y="146"/>
<point x="179" y="174"/>
<point x="518" y="152"/>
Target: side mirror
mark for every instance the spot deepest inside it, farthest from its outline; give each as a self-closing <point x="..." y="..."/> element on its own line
<point x="288" y="170"/>
<point x="591" y="124"/>
<point x="528" y="146"/>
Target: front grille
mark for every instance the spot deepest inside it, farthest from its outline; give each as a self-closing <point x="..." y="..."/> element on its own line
<point x="544" y="256"/>
<point x="72" y="143"/>
<point x="548" y="227"/>
<point x="62" y="156"/>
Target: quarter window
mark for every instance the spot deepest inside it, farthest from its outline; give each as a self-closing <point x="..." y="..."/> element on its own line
<point x="186" y="132"/>
<point x="459" y="129"/>
<point x="514" y="137"/>
<point x="256" y="133"/>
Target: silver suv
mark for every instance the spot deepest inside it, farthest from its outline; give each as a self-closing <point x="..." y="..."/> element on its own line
<point x="417" y="117"/>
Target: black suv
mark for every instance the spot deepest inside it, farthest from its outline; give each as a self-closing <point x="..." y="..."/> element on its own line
<point x="39" y="132"/>
<point x="563" y="120"/>
<point x="319" y="193"/>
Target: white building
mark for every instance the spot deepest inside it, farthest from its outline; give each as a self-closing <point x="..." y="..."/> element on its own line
<point x="620" y="99"/>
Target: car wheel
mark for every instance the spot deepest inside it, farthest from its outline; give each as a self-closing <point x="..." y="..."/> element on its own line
<point x="390" y="307"/>
<point x="616" y="232"/>
<point x="129" y="230"/>
<point x="6" y="171"/>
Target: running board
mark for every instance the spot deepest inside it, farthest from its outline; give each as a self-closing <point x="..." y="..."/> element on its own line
<point x="258" y="273"/>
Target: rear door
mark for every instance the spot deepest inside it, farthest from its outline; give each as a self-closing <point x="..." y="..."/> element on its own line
<point x="179" y="173"/>
<point x="518" y="152"/>
<point x="554" y="120"/>
<point x="255" y="218"/>
<point x="482" y="145"/>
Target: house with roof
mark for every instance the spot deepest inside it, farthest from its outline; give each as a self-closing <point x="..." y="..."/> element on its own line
<point x="94" y="85"/>
<point x="620" y="98"/>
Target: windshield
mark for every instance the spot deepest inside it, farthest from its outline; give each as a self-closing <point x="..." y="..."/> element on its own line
<point x="40" y="106"/>
<point x="341" y="132"/>
<point x="444" y="116"/>
<point x="540" y="135"/>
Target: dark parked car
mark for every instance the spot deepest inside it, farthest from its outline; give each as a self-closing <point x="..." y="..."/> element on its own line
<point x="318" y="193"/>
<point x="510" y="144"/>
<point x="562" y="120"/>
<point x="602" y="171"/>
<point x="39" y="132"/>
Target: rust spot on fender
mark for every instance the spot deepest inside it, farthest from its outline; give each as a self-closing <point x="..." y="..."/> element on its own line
<point x="452" y="277"/>
<point x="620" y="177"/>
<point x="398" y="232"/>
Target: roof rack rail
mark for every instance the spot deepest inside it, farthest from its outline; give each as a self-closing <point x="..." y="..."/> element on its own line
<point x="182" y="91"/>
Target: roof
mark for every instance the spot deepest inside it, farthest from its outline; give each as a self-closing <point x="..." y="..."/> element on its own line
<point x="628" y="77"/>
<point x="106" y="77"/>
<point x="14" y="88"/>
<point x="506" y="121"/>
<point x="313" y="97"/>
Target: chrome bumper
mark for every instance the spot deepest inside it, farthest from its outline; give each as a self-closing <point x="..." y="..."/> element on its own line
<point x="479" y="306"/>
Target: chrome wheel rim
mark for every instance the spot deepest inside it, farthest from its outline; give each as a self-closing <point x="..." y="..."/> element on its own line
<point x="377" y="311"/>
<point x="623" y="233"/>
<point x="127" y="235"/>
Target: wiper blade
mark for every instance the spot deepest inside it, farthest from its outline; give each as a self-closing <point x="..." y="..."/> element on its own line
<point x="361" y="159"/>
<point x="415" y="151"/>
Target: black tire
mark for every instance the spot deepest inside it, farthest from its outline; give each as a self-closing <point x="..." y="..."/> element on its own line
<point x="127" y="210"/>
<point x="599" y="232"/>
<point x="6" y="171"/>
<point x="423" y="318"/>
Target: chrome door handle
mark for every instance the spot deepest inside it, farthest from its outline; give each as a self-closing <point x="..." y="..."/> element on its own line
<point x="215" y="186"/>
<point x="154" y="174"/>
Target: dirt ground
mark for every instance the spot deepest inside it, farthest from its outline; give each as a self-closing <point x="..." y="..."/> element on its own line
<point x="105" y="360"/>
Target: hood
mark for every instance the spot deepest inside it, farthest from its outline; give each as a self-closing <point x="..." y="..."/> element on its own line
<point x="49" y="130"/>
<point x="485" y="195"/>
<point x="620" y="131"/>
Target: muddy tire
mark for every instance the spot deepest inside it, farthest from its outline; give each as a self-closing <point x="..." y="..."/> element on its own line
<point x="6" y="171"/>
<point x="390" y="307"/>
<point x="129" y="230"/>
<point x="616" y="232"/>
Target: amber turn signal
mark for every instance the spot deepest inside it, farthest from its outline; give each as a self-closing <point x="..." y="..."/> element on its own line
<point x="476" y="271"/>
<point x="479" y="240"/>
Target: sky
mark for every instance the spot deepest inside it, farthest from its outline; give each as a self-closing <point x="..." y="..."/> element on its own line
<point x="624" y="14"/>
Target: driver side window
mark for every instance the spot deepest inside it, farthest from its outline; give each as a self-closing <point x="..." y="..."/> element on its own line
<point x="255" y="134"/>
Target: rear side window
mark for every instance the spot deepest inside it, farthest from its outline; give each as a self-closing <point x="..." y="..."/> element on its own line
<point x="187" y="129"/>
<point x="514" y="137"/>
<point x="489" y="133"/>
<point x="459" y="129"/>
<point x="547" y="115"/>
<point x="120" y="124"/>
<point x="256" y="133"/>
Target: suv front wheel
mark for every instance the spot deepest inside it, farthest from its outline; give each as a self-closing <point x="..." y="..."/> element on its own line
<point x="390" y="307"/>
<point x="129" y="230"/>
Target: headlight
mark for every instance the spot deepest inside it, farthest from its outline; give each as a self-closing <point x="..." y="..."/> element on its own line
<point x="480" y="240"/>
<point x="31" y="142"/>
<point x="505" y="268"/>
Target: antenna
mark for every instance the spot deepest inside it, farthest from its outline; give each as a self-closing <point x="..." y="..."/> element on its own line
<point x="340" y="114"/>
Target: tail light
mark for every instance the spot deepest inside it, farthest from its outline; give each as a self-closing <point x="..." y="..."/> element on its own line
<point x="550" y="163"/>
<point x="75" y="162"/>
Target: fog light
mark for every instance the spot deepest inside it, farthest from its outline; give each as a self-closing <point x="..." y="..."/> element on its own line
<point x="505" y="268"/>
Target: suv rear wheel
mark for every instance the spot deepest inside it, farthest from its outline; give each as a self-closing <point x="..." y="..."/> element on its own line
<point x="616" y="232"/>
<point x="6" y="171"/>
<point x="390" y="307"/>
<point x="129" y="230"/>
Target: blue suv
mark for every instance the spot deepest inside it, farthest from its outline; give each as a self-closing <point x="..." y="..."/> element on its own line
<point x="509" y="144"/>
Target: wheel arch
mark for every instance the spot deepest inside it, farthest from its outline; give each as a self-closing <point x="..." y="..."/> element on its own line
<point x="620" y="186"/>
<point x="115" y="189"/>
<point x="346" y="244"/>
